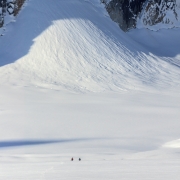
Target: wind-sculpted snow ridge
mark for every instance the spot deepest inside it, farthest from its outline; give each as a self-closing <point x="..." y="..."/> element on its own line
<point x="72" y="44"/>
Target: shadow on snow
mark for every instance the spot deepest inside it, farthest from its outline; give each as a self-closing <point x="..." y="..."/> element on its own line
<point x="16" y="143"/>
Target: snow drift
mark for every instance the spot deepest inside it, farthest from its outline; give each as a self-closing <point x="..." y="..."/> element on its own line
<point x="75" y="45"/>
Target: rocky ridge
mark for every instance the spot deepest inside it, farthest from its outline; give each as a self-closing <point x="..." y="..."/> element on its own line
<point x="9" y="8"/>
<point x="144" y="13"/>
<point x="129" y="14"/>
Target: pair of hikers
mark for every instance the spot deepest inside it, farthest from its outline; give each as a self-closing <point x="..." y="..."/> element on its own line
<point x="72" y="159"/>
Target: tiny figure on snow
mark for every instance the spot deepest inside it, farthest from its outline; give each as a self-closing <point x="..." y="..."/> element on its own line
<point x="79" y="159"/>
<point x="72" y="159"/>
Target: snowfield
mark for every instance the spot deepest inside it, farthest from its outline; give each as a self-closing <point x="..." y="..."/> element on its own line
<point x="117" y="135"/>
<point x="74" y="85"/>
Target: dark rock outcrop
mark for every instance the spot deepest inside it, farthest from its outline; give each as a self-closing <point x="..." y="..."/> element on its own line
<point x="156" y="10"/>
<point x="124" y="12"/>
<point x="150" y="12"/>
<point x="2" y="11"/>
<point x="9" y="7"/>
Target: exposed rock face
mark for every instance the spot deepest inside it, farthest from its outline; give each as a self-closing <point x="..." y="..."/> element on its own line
<point x="132" y="13"/>
<point x="9" y="7"/>
<point x="124" y="12"/>
<point x="127" y="13"/>
<point x="2" y="11"/>
<point x="155" y="12"/>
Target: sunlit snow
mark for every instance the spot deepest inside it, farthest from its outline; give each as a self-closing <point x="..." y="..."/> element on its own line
<point x="74" y="85"/>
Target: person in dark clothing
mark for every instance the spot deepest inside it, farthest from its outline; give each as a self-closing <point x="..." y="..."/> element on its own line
<point x="79" y="159"/>
<point x="72" y="159"/>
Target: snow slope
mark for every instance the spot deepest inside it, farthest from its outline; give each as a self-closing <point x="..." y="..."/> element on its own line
<point x="74" y="45"/>
<point x="130" y="135"/>
<point x="52" y="60"/>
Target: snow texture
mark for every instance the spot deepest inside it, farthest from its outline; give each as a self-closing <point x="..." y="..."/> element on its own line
<point x="74" y="85"/>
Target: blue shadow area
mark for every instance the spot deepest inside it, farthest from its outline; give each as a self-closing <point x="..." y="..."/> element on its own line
<point x="17" y="143"/>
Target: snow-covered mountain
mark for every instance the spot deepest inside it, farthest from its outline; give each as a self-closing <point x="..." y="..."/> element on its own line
<point x="85" y="50"/>
<point x="73" y="84"/>
<point x="159" y="14"/>
<point x="151" y="14"/>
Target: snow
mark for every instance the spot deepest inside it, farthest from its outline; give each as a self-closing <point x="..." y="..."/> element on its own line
<point x="173" y="144"/>
<point x="99" y="58"/>
<point x="170" y="19"/>
<point x="115" y="134"/>
<point x="74" y="85"/>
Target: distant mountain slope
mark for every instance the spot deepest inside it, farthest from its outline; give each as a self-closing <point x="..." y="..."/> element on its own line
<point x="74" y="45"/>
<point x="151" y="14"/>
